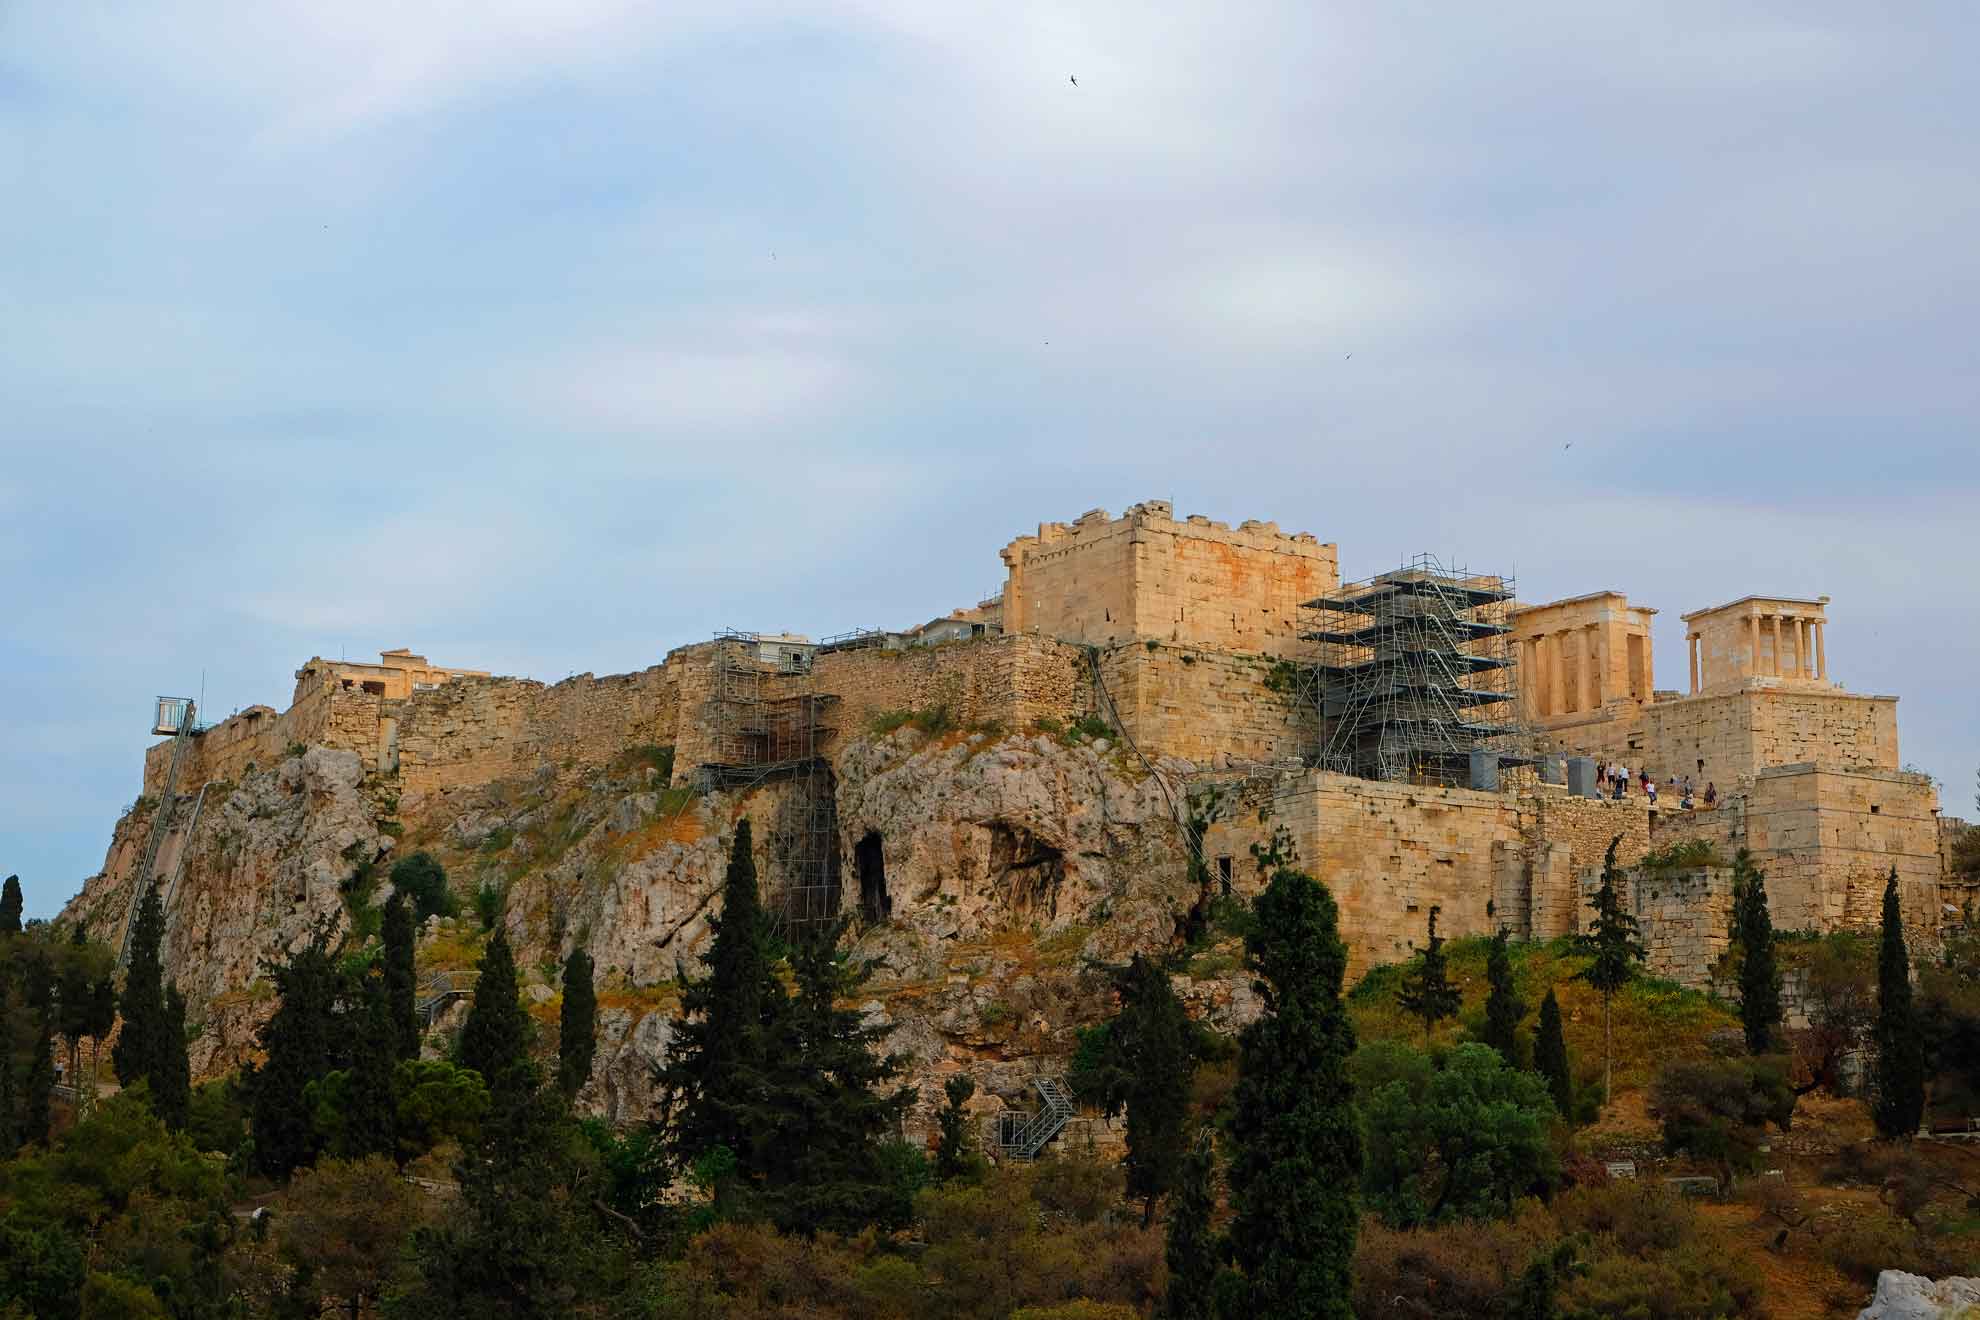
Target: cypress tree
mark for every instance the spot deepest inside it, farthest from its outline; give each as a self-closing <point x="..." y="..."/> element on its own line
<point x="1612" y="938"/>
<point x="401" y="979"/>
<point x="815" y="1137"/>
<point x="1426" y="991"/>
<point x="10" y="1121"/>
<point x="495" y="1037"/>
<point x="1503" y="1009"/>
<point x="1152" y="1047"/>
<point x="171" y="1073"/>
<point x="714" y="1065"/>
<point x="1550" y="1056"/>
<point x="955" y="1149"/>
<point x="102" y="1019"/>
<point x="302" y="1042"/>
<point x="73" y="998"/>
<point x="11" y="904"/>
<point x="1900" y="1045"/>
<point x="1298" y="1148"/>
<point x="1759" y="974"/>
<point x="577" y="1024"/>
<point x="370" y="1106"/>
<point x="40" y="1087"/>
<point x="140" y="1048"/>
<point x="1192" y="1249"/>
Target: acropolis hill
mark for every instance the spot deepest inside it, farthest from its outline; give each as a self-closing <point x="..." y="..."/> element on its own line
<point x="1087" y="756"/>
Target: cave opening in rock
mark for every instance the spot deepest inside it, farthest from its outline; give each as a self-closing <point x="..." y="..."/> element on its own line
<point x="1028" y="871"/>
<point x="870" y="865"/>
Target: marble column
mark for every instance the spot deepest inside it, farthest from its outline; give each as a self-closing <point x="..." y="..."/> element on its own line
<point x="1821" y="661"/>
<point x="1560" y="672"/>
<point x="1591" y="641"/>
<point x="1753" y="666"/>
<point x="1691" y="649"/>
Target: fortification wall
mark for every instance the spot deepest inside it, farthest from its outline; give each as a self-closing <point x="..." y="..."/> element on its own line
<point x="327" y="715"/>
<point x="1729" y="738"/>
<point x="475" y="730"/>
<point x="1827" y="838"/>
<point x="1010" y="680"/>
<point x="1389" y="852"/>
<point x="1192" y="581"/>
<point x="1204" y="706"/>
<point x="1683" y="918"/>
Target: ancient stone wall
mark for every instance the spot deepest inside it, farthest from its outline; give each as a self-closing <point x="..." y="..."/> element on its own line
<point x="476" y="730"/>
<point x="1209" y="707"/>
<point x="1146" y="575"/>
<point x="1388" y="852"/>
<point x="1010" y="681"/>
<point x="1564" y="840"/>
<point x="1683" y="917"/>
<point x="1727" y="739"/>
<point x="1827" y="838"/>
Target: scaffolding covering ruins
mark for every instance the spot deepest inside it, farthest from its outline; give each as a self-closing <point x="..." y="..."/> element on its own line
<point x="767" y="721"/>
<point x="1413" y="678"/>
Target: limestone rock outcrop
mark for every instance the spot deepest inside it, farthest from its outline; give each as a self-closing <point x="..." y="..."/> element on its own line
<point x="989" y="878"/>
<point x="1902" y="1296"/>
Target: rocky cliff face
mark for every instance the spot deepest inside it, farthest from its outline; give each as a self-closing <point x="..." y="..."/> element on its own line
<point x="986" y="877"/>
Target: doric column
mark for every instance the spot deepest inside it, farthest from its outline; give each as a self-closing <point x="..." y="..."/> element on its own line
<point x="1821" y="661"/>
<point x="1591" y="638"/>
<point x="1777" y="645"/>
<point x="1804" y="659"/>
<point x="1691" y="650"/>
<point x="1560" y="672"/>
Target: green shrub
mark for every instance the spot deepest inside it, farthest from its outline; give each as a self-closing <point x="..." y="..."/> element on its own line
<point x="498" y="840"/>
<point x="1717" y="1109"/>
<point x="424" y="883"/>
<point x="659" y="759"/>
<point x="488" y="897"/>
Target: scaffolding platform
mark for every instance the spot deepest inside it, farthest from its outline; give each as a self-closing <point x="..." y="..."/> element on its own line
<point x="1412" y="673"/>
<point x="767" y="722"/>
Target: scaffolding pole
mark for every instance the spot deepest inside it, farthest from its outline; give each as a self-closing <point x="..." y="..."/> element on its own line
<point x="1412" y="675"/>
<point x="767" y="722"/>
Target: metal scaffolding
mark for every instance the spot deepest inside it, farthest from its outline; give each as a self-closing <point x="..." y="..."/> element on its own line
<point x="767" y="721"/>
<point x="1414" y="676"/>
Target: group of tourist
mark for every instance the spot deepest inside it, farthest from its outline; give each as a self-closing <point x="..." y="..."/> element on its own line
<point x="1616" y="776"/>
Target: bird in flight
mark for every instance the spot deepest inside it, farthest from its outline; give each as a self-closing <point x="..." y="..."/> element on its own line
<point x="1348" y="358"/>
<point x="1568" y="445"/>
<point x="1073" y="80"/>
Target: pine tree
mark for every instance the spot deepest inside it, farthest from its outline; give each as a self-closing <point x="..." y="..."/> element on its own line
<point x="1504" y="1010"/>
<point x="11" y="903"/>
<point x="73" y="999"/>
<point x="401" y="984"/>
<point x="1151" y="1046"/>
<point x="171" y="1072"/>
<point x="1426" y="992"/>
<point x="1298" y="1148"/>
<point x="1612" y="938"/>
<point x="1759" y="974"/>
<point x="1193" y="1249"/>
<point x="577" y="1024"/>
<point x="140" y="1048"/>
<point x="955" y="1148"/>
<point x="1900" y="1100"/>
<point x="713" y="1071"/>
<point x="814" y="1147"/>
<point x="40" y="1087"/>
<point x="495" y="1037"/>
<point x="1550" y="1056"/>
<point x="302" y="1041"/>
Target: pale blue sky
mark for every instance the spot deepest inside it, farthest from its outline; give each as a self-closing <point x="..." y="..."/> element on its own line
<point x="544" y="335"/>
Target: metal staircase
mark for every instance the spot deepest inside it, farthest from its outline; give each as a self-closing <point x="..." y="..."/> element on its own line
<point x="439" y="990"/>
<point x="161" y="822"/>
<point x="1022" y="1136"/>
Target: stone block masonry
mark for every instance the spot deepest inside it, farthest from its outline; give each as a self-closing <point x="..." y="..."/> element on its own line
<point x="1389" y="852"/>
